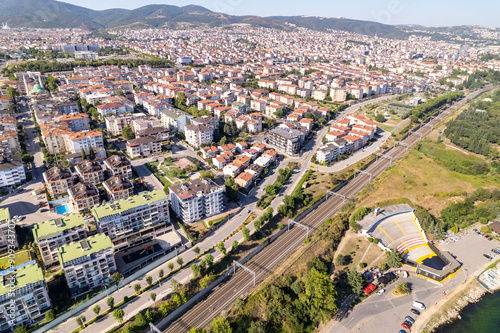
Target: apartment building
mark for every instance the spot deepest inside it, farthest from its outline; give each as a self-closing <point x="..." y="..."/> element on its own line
<point x="24" y="288"/>
<point x="160" y="133"/>
<point x="84" y="140"/>
<point x="87" y="263"/>
<point x="11" y="171"/>
<point x="118" y="188"/>
<point x="52" y="234"/>
<point x="77" y="121"/>
<point x="331" y="150"/>
<point x="116" y="123"/>
<point x="205" y="120"/>
<point x="338" y="95"/>
<point x="196" y="135"/>
<point x="142" y="147"/>
<point x="9" y="142"/>
<point x="175" y="119"/>
<point x="90" y="172"/>
<point x="110" y="108"/>
<point x="196" y="199"/>
<point x="58" y="180"/>
<point x="286" y="140"/>
<point x="83" y="197"/>
<point x="119" y="165"/>
<point x="8" y="236"/>
<point x="134" y="219"/>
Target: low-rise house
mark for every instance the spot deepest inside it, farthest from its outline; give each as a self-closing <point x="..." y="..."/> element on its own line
<point x="88" y="263"/>
<point x="52" y="234"/>
<point x="209" y="152"/>
<point x="255" y="169"/>
<point x="271" y="154"/>
<point x="83" y="197"/>
<point x="118" y="188"/>
<point x="241" y="146"/>
<point x="244" y="179"/>
<point x="232" y="170"/>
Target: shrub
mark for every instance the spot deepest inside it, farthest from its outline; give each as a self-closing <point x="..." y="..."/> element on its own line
<point x="486" y="229"/>
<point x="362" y="265"/>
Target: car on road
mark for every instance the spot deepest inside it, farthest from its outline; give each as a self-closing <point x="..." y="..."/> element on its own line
<point x="405" y="325"/>
<point x="381" y="291"/>
<point x="249" y="211"/>
<point x="415" y="311"/>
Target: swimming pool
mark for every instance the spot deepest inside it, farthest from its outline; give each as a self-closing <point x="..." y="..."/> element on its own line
<point x="63" y="209"/>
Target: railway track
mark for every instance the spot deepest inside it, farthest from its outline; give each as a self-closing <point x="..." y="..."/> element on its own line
<point x="239" y="284"/>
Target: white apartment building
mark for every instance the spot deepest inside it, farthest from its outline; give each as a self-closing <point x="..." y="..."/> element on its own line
<point x="196" y="135"/>
<point x="142" y="147"/>
<point x="12" y="171"/>
<point x="134" y="219"/>
<point x="24" y="287"/>
<point x="52" y="234"/>
<point x="111" y="108"/>
<point x="76" y="142"/>
<point x="175" y="119"/>
<point x="77" y="121"/>
<point x="87" y="263"/>
<point x="196" y="199"/>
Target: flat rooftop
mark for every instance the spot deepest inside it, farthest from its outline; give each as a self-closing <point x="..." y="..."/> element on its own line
<point x="118" y="206"/>
<point x="23" y="275"/>
<point x="371" y="218"/>
<point x="53" y="228"/>
<point x="92" y="244"/>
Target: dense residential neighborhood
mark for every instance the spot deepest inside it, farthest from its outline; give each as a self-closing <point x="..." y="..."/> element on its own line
<point x="136" y="162"/>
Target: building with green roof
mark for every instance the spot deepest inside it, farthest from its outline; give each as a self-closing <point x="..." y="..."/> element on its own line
<point x="50" y="235"/>
<point x="25" y="286"/>
<point x="135" y="219"/>
<point x="87" y="263"/>
<point x="8" y="236"/>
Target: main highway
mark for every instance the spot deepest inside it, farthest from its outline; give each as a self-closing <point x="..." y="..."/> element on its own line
<point x="242" y="282"/>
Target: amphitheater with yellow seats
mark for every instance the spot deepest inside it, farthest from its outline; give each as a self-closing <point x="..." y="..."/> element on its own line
<point x="397" y="229"/>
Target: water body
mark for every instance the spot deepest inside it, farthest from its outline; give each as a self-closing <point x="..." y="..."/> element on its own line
<point x="480" y="317"/>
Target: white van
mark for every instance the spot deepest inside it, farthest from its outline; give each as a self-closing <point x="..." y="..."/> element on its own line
<point x="419" y="305"/>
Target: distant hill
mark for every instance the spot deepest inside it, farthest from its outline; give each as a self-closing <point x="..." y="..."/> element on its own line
<point x="55" y="14"/>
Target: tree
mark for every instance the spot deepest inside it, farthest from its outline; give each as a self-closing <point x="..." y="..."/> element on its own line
<point x="231" y="189"/>
<point x="355" y="280"/>
<point x="149" y="316"/>
<point x="12" y="93"/>
<point x="149" y="280"/>
<point x="137" y="288"/>
<point x="116" y="277"/>
<point x="220" y="325"/>
<point x="91" y="154"/>
<point x="118" y="314"/>
<point x="246" y="233"/>
<point x="165" y="308"/>
<point x="27" y="158"/>
<point x="49" y="316"/>
<point x="127" y="133"/>
<point x="195" y="268"/>
<point x="96" y="310"/>
<point x="93" y="111"/>
<point x="51" y="83"/>
<point x="111" y="302"/>
<point x="153" y="297"/>
<point x="170" y="266"/>
<point x="403" y="288"/>
<point x="393" y="259"/>
<point x="20" y="329"/>
<point x="223" y="141"/>
<point x="207" y="174"/>
<point x="380" y="118"/>
<point x="235" y="246"/>
<point x="180" y="261"/>
<point x="81" y="321"/>
<point x="196" y="250"/>
<point x="222" y="249"/>
<point x="209" y="259"/>
<point x="120" y="93"/>
<point x="175" y="284"/>
<point x="181" y="100"/>
<point x="139" y="320"/>
<point x="339" y="261"/>
<point x="257" y="327"/>
<point x="197" y="330"/>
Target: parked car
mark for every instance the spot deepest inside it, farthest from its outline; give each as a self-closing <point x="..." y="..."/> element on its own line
<point x="405" y="325"/>
<point x="415" y="311"/>
<point x="381" y="291"/>
<point x="410" y="319"/>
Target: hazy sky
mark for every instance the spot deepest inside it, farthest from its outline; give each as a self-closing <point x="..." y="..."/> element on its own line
<point x="424" y="12"/>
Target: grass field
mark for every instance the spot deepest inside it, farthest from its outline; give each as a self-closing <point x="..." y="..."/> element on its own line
<point x="385" y="127"/>
<point x="427" y="178"/>
<point x="21" y="258"/>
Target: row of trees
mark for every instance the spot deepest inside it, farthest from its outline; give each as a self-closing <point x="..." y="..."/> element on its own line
<point x="428" y="108"/>
<point x="273" y="189"/>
